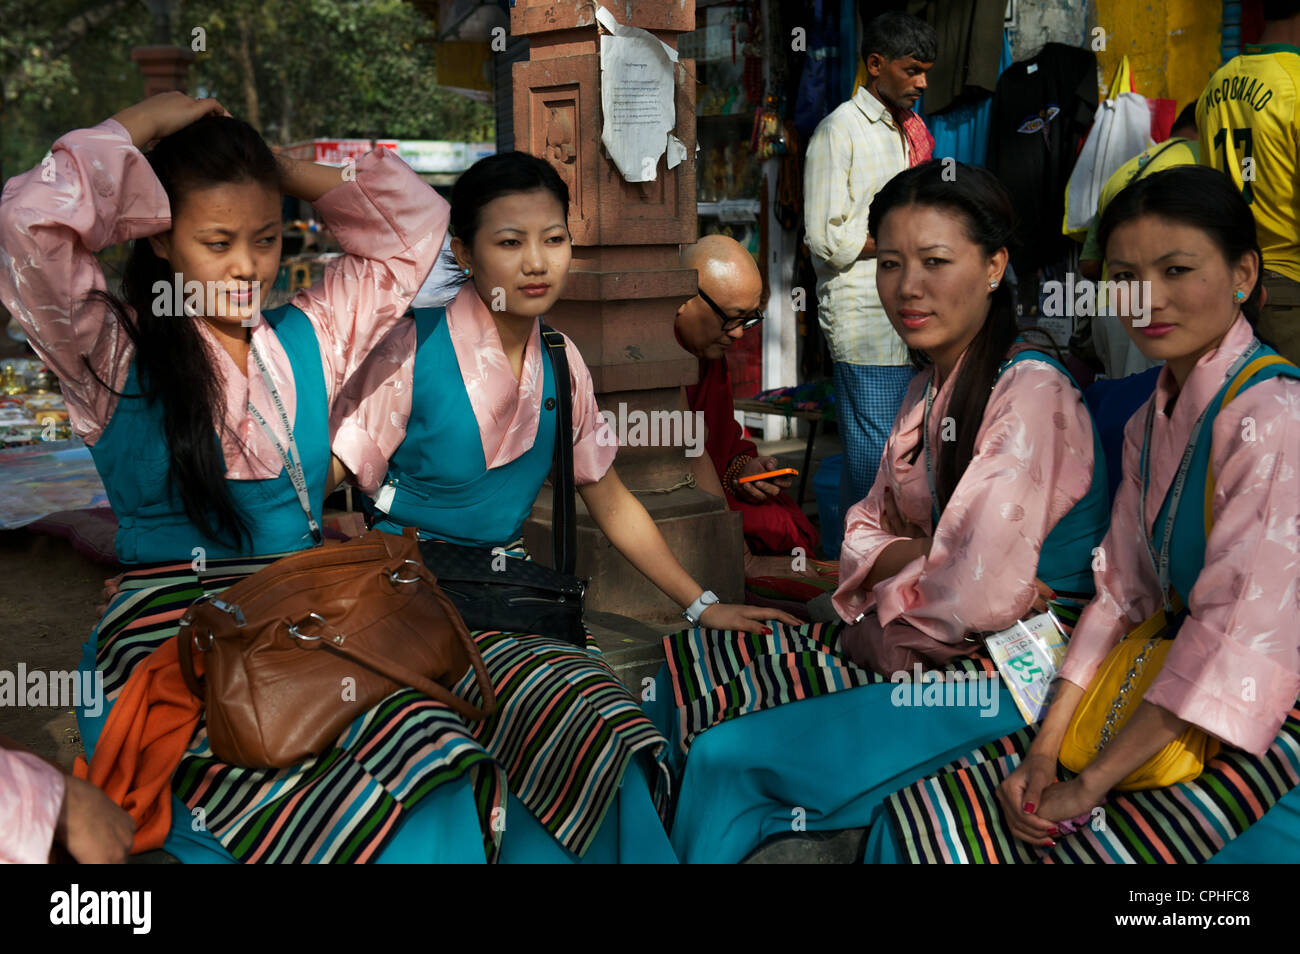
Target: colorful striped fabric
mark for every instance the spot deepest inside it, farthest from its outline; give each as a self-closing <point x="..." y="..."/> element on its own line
<point x="719" y="675"/>
<point x="338" y="807"/>
<point x="564" y="733"/>
<point x="953" y="816"/>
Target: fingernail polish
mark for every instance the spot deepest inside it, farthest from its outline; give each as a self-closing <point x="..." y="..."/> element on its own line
<point x="1029" y="807"/>
<point x="1056" y="832"/>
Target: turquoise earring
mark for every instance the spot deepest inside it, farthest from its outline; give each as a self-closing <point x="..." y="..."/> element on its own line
<point x="1239" y="295"/>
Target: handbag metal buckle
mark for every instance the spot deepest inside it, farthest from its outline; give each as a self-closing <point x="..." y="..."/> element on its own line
<point x="296" y="634"/>
<point x="188" y="619"/>
<point x="397" y="578"/>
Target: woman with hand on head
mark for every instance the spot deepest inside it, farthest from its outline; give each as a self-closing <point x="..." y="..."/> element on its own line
<point x="989" y="501"/>
<point x="1175" y="707"/>
<point x="451" y="426"/>
<point x="208" y="422"/>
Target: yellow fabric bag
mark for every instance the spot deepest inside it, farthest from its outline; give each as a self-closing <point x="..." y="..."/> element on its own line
<point x="1114" y="693"/>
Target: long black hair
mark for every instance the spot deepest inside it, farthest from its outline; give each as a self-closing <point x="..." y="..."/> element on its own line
<point x="980" y="201"/>
<point x="172" y="362"/>
<point x="1204" y="198"/>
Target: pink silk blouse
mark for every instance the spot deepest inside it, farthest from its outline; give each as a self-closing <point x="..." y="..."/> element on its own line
<point x="1033" y="461"/>
<point x="1234" y="668"/>
<point x="369" y="421"/>
<point x="389" y="223"/>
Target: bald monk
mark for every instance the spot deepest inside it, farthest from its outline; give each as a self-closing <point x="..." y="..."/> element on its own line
<point x="729" y="300"/>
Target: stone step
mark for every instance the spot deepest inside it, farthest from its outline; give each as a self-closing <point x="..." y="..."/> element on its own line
<point x="845" y="847"/>
<point x="633" y="649"/>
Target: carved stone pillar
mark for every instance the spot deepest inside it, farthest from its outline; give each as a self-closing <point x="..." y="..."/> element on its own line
<point x="623" y="289"/>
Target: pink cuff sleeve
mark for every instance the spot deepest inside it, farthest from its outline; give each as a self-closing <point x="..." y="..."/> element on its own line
<point x="864" y="541"/>
<point x="390" y="224"/>
<point x="360" y="455"/>
<point x="1101" y="626"/>
<point x="593" y="454"/>
<point x="31" y="796"/>
<point x="1223" y="687"/>
<point x="369" y="419"/>
<point x="95" y="189"/>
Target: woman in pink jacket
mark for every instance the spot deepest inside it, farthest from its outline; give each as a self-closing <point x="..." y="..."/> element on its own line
<point x="1204" y="529"/>
<point x="990" y="498"/>
<point x="208" y="422"/>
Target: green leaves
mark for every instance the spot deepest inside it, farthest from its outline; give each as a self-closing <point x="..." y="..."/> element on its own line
<point x="319" y="68"/>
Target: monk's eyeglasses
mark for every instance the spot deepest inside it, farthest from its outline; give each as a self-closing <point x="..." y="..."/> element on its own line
<point x="729" y="322"/>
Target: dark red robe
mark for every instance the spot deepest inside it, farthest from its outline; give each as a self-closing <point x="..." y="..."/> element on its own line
<point x="776" y="526"/>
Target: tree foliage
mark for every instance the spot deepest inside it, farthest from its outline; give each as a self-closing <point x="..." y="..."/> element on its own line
<point x="297" y="69"/>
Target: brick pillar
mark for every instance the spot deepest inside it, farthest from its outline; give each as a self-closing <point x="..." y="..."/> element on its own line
<point x="165" y="68"/>
<point x="623" y="290"/>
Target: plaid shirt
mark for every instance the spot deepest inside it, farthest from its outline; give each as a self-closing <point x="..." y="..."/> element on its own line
<point x="853" y="153"/>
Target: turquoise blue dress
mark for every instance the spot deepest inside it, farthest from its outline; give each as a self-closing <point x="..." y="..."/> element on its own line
<point x="132" y="459"/>
<point x="1241" y="809"/>
<point x="822" y="742"/>
<point x="438" y="481"/>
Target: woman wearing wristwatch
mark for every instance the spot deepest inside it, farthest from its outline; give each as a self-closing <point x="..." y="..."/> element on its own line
<point x="456" y="402"/>
<point x="989" y="500"/>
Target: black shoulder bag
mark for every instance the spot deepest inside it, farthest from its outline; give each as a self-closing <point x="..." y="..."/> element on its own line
<point x="523" y="596"/>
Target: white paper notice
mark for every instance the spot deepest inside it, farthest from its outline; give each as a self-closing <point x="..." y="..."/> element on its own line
<point x="676" y="151"/>
<point x="636" y="97"/>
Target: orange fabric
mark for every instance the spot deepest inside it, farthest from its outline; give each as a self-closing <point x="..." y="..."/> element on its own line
<point x="144" y="738"/>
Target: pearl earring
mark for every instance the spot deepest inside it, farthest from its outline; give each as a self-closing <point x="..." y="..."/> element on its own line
<point x="992" y="285"/>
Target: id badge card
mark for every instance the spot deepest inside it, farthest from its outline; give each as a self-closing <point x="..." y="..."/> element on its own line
<point x="1028" y="655"/>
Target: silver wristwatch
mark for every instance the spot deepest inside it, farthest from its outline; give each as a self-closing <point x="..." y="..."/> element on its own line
<point x="696" y="609"/>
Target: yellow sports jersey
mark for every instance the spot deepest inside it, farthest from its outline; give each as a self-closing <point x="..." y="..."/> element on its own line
<point x="1248" y="124"/>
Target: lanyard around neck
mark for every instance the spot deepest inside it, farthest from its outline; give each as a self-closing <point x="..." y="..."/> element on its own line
<point x="1161" y="558"/>
<point x="292" y="462"/>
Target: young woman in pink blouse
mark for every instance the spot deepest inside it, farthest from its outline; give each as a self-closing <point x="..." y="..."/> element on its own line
<point x="1205" y="527"/>
<point x="450" y="427"/>
<point x="989" y="500"/>
<point x="208" y="421"/>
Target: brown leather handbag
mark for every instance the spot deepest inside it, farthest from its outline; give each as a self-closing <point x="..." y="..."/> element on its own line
<point x="296" y="651"/>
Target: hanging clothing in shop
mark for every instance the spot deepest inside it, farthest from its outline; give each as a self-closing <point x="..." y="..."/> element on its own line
<point x="819" y="84"/>
<point x="970" y="44"/>
<point x="962" y="131"/>
<point x="1041" y="114"/>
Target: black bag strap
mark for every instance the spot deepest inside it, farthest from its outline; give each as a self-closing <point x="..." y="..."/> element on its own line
<point x="564" y="520"/>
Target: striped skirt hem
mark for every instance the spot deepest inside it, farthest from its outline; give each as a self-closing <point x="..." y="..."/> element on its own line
<point x="953" y="816"/>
